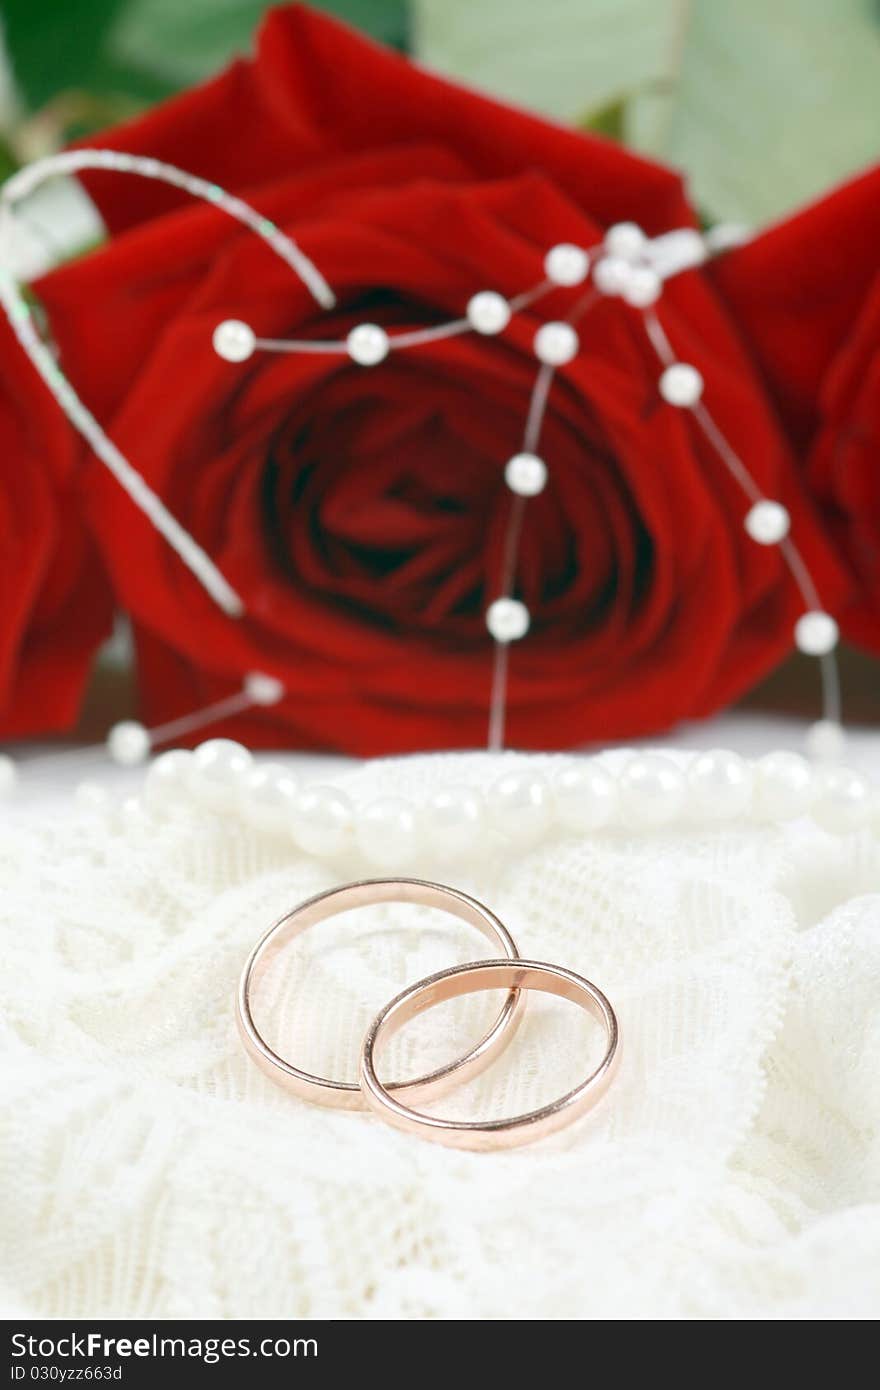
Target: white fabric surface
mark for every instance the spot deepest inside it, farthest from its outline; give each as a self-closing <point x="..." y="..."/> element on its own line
<point x="732" y="1171"/>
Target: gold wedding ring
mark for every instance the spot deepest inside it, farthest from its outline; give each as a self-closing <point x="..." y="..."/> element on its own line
<point x="394" y="1100"/>
<point x="347" y="1094"/>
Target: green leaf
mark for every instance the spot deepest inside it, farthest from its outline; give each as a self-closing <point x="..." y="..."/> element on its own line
<point x="771" y="103"/>
<point x="178" y="42"/>
<point x="141" y="50"/>
<point x="387" y="20"/>
<point x="762" y="104"/>
<point x="57" y="46"/>
<point x="564" y="57"/>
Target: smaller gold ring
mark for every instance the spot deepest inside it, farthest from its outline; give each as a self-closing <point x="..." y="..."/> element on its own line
<point x="481" y="1135"/>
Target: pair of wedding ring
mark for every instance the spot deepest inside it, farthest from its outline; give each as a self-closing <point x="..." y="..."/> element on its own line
<point x="394" y="1100"/>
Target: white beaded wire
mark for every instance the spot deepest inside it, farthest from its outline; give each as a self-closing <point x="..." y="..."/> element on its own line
<point x="626" y="251"/>
<point x="821" y="636"/>
<point x="19" y="314"/>
<point x="129" y="742"/>
<point x="628" y="263"/>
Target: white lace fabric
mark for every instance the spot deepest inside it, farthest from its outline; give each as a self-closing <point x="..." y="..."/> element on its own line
<point x="731" y="1172"/>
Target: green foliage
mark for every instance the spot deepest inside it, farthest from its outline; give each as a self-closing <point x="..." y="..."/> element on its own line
<point x="179" y="43"/>
<point x="387" y="20"/>
<point x="762" y="104"/>
<point x="56" y="46"/>
<point x="122" y="54"/>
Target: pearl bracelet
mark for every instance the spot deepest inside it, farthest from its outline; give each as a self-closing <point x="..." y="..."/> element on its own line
<point x="585" y="795"/>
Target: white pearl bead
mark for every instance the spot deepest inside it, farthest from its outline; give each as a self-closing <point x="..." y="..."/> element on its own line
<point x="625" y="239"/>
<point x="323" y="821"/>
<point x="767" y="522"/>
<point x="566" y="264"/>
<point x="825" y="740"/>
<point x="128" y="743"/>
<point x="368" y="344"/>
<point x="643" y="287"/>
<point x="454" y="820"/>
<point x="488" y="312"/>
<point x="387" y="832"/>
<point x="526" y="475"/>
<point x="681" y="384"/>
<point x="269" y="794"/>
<point x="217" y="771"/>
<point x="816" y="633"/>
<point x="507" y="619"/>
<point x="843" y="799"/>
<point x="585" y="795"/>
<point x="611" y="274"/>
<point x="91" y="796"/>
<point x="167" y="783"/>
<point x="783" y="786"/>
<point x="234" y="341"/>
<point x="719" y="785"/>
<point x="556" y="344"/>
<point x="520" y="806"/>
<point x="651" y="791"/>
<point x="263" y="689"/>
<point x="8" y="775"/>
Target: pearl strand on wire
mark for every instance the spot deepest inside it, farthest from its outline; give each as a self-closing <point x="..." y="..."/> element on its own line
<point x="643" y="793"/>
<point x="629" y="265"/>
<point x="488" y="313"/>
<point x="633" y="267"/>
<point x="129" y="742"/>
<point x="507" y="618"/>
<point x="767" y="522"/>
<point x="18" y="312"/>
<point x="526" y="474"/>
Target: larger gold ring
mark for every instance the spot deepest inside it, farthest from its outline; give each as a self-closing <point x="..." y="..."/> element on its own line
<point x="348" y="1094"/>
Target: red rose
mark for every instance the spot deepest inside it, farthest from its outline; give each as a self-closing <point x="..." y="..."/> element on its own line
<point x="56" y="599"/>
<point x="808" y="293"/>
<point x="360" y="512"/>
